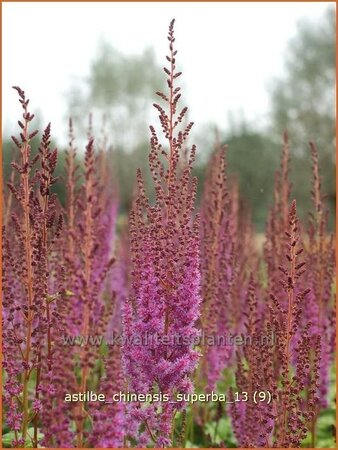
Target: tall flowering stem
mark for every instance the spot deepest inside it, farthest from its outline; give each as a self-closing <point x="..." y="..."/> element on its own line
<point x="164" y="304"/>
<point x="72" y="179"/>
<point x="293" y="345"/>
<point x="57" y="432"/>
<point x="217" y="265"/>
<point x="281" y="358"/>
<point x="86" y="262"/>
<point x="92" y="268"/>
<point x="277" y="221"/>
<point x="226" y="253"/>
<point x="320" y="275"/>
<point x="48" y="158"/>
<point x="253" y="422"/>
<point x="27" y="320"/>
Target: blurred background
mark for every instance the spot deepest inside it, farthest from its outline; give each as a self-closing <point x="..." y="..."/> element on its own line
<point x="250" y="71"/>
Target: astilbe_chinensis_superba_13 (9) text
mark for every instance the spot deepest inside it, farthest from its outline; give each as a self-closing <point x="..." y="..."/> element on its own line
<point x="31" y="280"/>
<point x="164" y="304"/>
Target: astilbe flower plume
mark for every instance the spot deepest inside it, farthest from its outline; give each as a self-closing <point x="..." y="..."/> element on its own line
<point x="217" y="266"/>
<point x="317" y="318"/>
<point x="109" y="424"/>
<point x="286" y="367"/>
<point x="320" y="308"/>
<point x="226" y="253"/>
<point x="244" y="256"/>
<point x="120" y="281"/>
<point x="57" y="432"/>
<point x="164" y="239"/>
<point x="87" y="265"/>
<point x="253" y="422"/>
<point x="28" y="281"/>
<point x="96" y="262"/>
<point x="293" y="343"/>
<point x="319" y="249"/>
<point x="278" y="216"/>
<point x="55" y="298"/>
<point x="7" y="195"/>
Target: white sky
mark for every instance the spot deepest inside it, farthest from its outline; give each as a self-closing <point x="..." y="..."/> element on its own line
<point x="228" y="51"/>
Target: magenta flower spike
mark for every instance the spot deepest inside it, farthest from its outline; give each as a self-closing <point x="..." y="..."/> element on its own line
<point x="162" y="311"/>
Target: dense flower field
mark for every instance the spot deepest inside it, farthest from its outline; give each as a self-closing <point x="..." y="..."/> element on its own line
<point x="177" y="330"/>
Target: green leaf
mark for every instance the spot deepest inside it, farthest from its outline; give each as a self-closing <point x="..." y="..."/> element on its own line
<point x="7" y="439"/>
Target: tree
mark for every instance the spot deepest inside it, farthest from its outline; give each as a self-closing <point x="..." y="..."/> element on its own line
<point x="121" y="88"/>
<point x="253" y="158"/>
<point x="303" y="101"/>
<point x="119" y="91"/>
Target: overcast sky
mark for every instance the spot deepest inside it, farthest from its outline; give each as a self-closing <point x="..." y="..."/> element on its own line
<point x="229" y="52"/>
